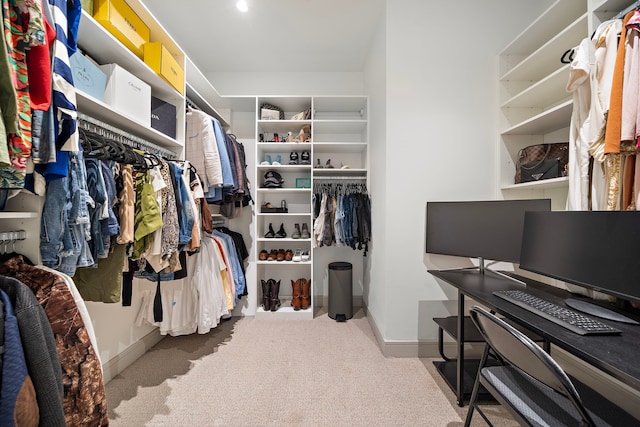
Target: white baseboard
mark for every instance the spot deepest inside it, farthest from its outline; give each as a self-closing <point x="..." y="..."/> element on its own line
<point x="125" y="358"/>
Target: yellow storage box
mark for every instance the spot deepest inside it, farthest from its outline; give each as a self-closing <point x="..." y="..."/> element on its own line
<point x="88" y="6"/>
<point x="162" y="62"/>
<point x="121" y="21"/>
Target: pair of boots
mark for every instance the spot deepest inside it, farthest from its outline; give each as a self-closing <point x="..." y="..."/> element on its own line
<point x="280" y="234"/>
<point x="270" y="290"/>
<point x="301" y="294"/>
<point x="300" y="234"/>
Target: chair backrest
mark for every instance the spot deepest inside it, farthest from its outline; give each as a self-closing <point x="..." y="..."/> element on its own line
<point x="521" y="352"/>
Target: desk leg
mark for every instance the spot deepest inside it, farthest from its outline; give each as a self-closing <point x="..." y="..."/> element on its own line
<point x="460" y="360"/>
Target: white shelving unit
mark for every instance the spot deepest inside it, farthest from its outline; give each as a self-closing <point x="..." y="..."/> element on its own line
<point x="535" y="107"/>
<point x="339" y="132"/>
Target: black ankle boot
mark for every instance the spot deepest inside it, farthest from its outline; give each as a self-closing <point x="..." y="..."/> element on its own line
<point x="270" y="234"/>
<point x="266" y="294"/>
<point x="275" y="289"/>
<point x="305" y="158"/>
<point x="296" y="231"/>
<point x="281" y="234"/>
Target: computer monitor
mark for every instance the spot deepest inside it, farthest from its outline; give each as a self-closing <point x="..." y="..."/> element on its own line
<point x="489" y="229"/>
<point x="598" y="250"/>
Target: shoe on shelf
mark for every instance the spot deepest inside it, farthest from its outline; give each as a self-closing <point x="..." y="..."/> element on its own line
<point x="304" y="234"/>
<point x="281" y="255"/>
<point x="281" y="234"/>
<point x="328" y="165"/>
<point x="319" y="165"/>
<point x="290" y="137"/>
<point x="266" y="294"/>
<point x="288" y="255"/>
<point x="297" y="255"/>
<point x="305" y="158"/>
<point x="270" y="234"/>
<point x="305" y="299"/>
<point x="272" y="255"/>
<point x="296" y="231"/>
<point x="267" y="160"/>
<point x="283" y="204"/>
<point x="293" y="158"/>
<point x="296" y="294"/>
<point x="263" y="255"/>
<point x="305" y="256"/>
<point x="343" y="166"/>
<point x="274" y="287"/>
<point x="277" y="161"/>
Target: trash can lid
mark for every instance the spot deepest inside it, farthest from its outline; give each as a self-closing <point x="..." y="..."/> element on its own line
<point x="340" y="266"/>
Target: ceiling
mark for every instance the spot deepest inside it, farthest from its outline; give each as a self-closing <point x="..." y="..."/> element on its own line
<point x="274" y="35"/>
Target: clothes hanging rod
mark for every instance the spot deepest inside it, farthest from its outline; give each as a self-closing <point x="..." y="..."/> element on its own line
<point x="98" y="127"/>
<point x="621" y="14"/>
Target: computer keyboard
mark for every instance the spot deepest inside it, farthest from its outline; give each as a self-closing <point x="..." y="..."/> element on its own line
<point x="565" y="317"/>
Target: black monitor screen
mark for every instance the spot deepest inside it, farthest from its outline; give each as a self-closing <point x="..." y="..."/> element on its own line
<point x="490" y="229"/>
<point x="597" y="250"/>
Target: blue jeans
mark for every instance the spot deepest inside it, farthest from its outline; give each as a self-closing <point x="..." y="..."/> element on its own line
<point x="64" y="228"/>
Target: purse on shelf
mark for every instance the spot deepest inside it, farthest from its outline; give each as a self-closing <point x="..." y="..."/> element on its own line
<point x="536" y="162"/>
<point x="536" y="171"/>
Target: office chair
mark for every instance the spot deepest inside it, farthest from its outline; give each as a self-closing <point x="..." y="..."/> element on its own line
<point x="531" y="386"/>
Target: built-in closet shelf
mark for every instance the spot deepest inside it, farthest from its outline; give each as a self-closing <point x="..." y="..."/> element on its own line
<point x="535" y="106"/>
<point x="550" y="120"/>
<point x="18" y="215"/>
<point x="284" y="263"/>
<point x="540" y="185"/>
<point x="284" y="167"/>
<point x="339" y="126"/>
<point x="99" y="110"/>
<point x="546" y="59"/>
<point x="552" y="21"/>
<point x="285" y="215"/>
<point x="104" y="48"/>
<point x="323" y="173"/>
<point x="285" y="312"/>
<point x="339" y="135"/>
<point x="549" y="90"/>
<point x="340" y="147"/>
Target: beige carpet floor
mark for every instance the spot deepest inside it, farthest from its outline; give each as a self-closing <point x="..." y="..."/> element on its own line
<point x="250" y="372"/>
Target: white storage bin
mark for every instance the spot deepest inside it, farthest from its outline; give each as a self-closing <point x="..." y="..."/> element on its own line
<point x="127" y="94"/>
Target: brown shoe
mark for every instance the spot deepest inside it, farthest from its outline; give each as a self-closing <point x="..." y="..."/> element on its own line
<point x="280" y="256"/>
<point x="272" y="255"/>
<point x="296" y="293"/>
<point x="274" y="287"/>
<point x="263" y="255"/>
<point x="305" y="298"/>
<point x="288" y="255"/>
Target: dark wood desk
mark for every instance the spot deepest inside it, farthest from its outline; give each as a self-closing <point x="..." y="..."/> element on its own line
<point x="615" y="355"/>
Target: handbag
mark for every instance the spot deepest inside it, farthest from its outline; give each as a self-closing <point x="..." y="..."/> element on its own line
<point x="539" y="153"/>
<point x="536" y="171"/>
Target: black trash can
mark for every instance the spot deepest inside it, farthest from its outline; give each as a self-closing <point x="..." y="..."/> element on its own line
<point x="340" y="291"/>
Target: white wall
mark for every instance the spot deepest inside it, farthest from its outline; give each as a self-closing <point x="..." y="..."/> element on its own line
<point x="274" y="83"/>
<point x="441" y="125"/>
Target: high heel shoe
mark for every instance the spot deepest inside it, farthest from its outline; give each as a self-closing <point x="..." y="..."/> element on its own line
<point x="270" y="234"/>
<point x="281" y="234"/>
<point x="319" y="165"/>
<point x="328" y="165"/>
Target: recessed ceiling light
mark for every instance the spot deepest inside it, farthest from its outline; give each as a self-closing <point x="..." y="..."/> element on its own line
<point x="242" y="6"/>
